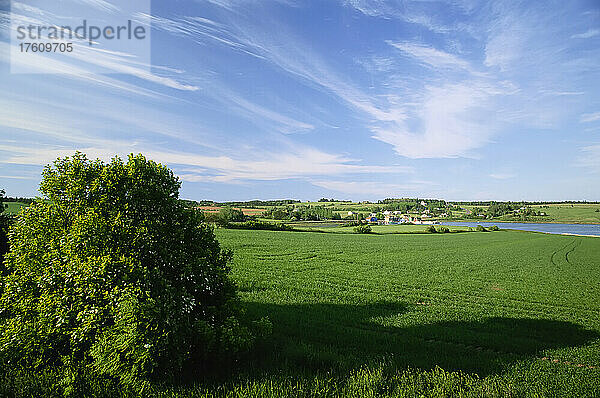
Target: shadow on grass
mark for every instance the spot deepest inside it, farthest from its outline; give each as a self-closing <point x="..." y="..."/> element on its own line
<point x="336" y="338"/>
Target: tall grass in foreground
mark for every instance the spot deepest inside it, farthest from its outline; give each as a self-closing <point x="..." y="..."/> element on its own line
<point x="368" y="381"/>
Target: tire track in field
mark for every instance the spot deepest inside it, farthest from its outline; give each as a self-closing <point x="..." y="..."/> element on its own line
<point x="572" y="250"/>
<point x="560" y="250"/>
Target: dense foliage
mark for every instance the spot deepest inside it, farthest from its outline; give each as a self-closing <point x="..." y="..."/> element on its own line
<point x="363" y="229"/>
<point x="113" y="275"/>
<point x="4" y="223"/>
<point x="229" y="214"/>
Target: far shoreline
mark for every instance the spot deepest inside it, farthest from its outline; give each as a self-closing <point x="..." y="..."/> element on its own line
<point x="521" y="222"/>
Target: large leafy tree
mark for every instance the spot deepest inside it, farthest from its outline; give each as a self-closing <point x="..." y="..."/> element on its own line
<point x="112" y="272"/>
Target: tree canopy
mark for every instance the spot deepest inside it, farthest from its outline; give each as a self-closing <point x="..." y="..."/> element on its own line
<point x="112" y="272"/>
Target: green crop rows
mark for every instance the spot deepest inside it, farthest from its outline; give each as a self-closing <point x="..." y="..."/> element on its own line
<point x="509" y="307"/>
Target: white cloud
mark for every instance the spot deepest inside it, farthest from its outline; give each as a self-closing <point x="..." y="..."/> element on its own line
<point x="295" y="162"/>
<point x="102" y="5"/>
<point x="199" y="30"/>
<point x="589" y="117"/>
<point x="454" y="118"/>
<point x="80" y="63"/>
<point x="257" y="112"/>
<point x="506" y="44"/>
<point x="431" y="56"/>
<point x="371" y="189"/>
<point x="301" y="162"/>
<point x="426" y="21"/>
<point x="19" y="177"/>
<point x="443" y="119"/>
<point x="502" y="176"/>
<point x="590" y="158"/>
<point x="373" y="8"/>
<point x="586" y="35"/>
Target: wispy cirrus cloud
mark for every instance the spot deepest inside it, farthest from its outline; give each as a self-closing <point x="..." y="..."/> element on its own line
<point x="452" y="122"/>
<point x="305" y="162"/>
<point x="374" y="189"/>
<point x="589" y="158"/>
<point x="451" y="125"/>
<point x="430" y="56"/>
<point x="590" y="117"/>
<point x="586" y="35"/>
<point x="80" y="63"/>
<point x="199" y="29"/>
<point x="295" y="162"/>
<point x="102" y="5"/>
<point x="502" y="176"/>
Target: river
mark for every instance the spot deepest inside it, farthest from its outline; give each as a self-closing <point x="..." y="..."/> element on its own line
<point x="573" y="229"/>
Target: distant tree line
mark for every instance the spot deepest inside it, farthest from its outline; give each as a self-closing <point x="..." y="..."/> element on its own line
<point x="18" y="199"/>
<point x="334" y="200"/>
<point x="505" y="209"/>
<point x="524" y="203"/>
<point x="256" y="203"/>
<point x="302" y="213"/>
<point x="248" y="203"/>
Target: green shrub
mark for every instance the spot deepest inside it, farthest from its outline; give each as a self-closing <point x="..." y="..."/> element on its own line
<point x="431" y="229"/>
<point x="363" y="229"/>
<point x="112" y="274"/>
<point x="494" y="228"/>
<point x="444" y="230"/>
<point x="352" y="224"/>
<point x="229" y="214"/>
<point x="480" y="228"/>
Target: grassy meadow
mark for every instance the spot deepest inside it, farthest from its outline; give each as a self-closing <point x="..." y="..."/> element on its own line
<point x="572" y="213"/>
<point x="502" y="313"/>
<point x="14" y="207"/>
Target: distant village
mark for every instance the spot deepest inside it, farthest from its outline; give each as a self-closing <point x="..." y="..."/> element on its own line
<point x="398" y="217"/>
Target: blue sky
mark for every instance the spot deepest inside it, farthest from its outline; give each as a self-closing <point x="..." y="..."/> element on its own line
<point x="352" y="99"/>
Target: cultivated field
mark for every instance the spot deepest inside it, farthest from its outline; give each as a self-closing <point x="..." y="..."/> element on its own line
<point x="14" y="207"/>
<point x="502" y="313"/>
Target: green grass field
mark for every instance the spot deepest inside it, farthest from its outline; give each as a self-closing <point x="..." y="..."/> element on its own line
<point x="352" y="313"/>
<point x="572" y="213"/>
<point x="14" y="207"/>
